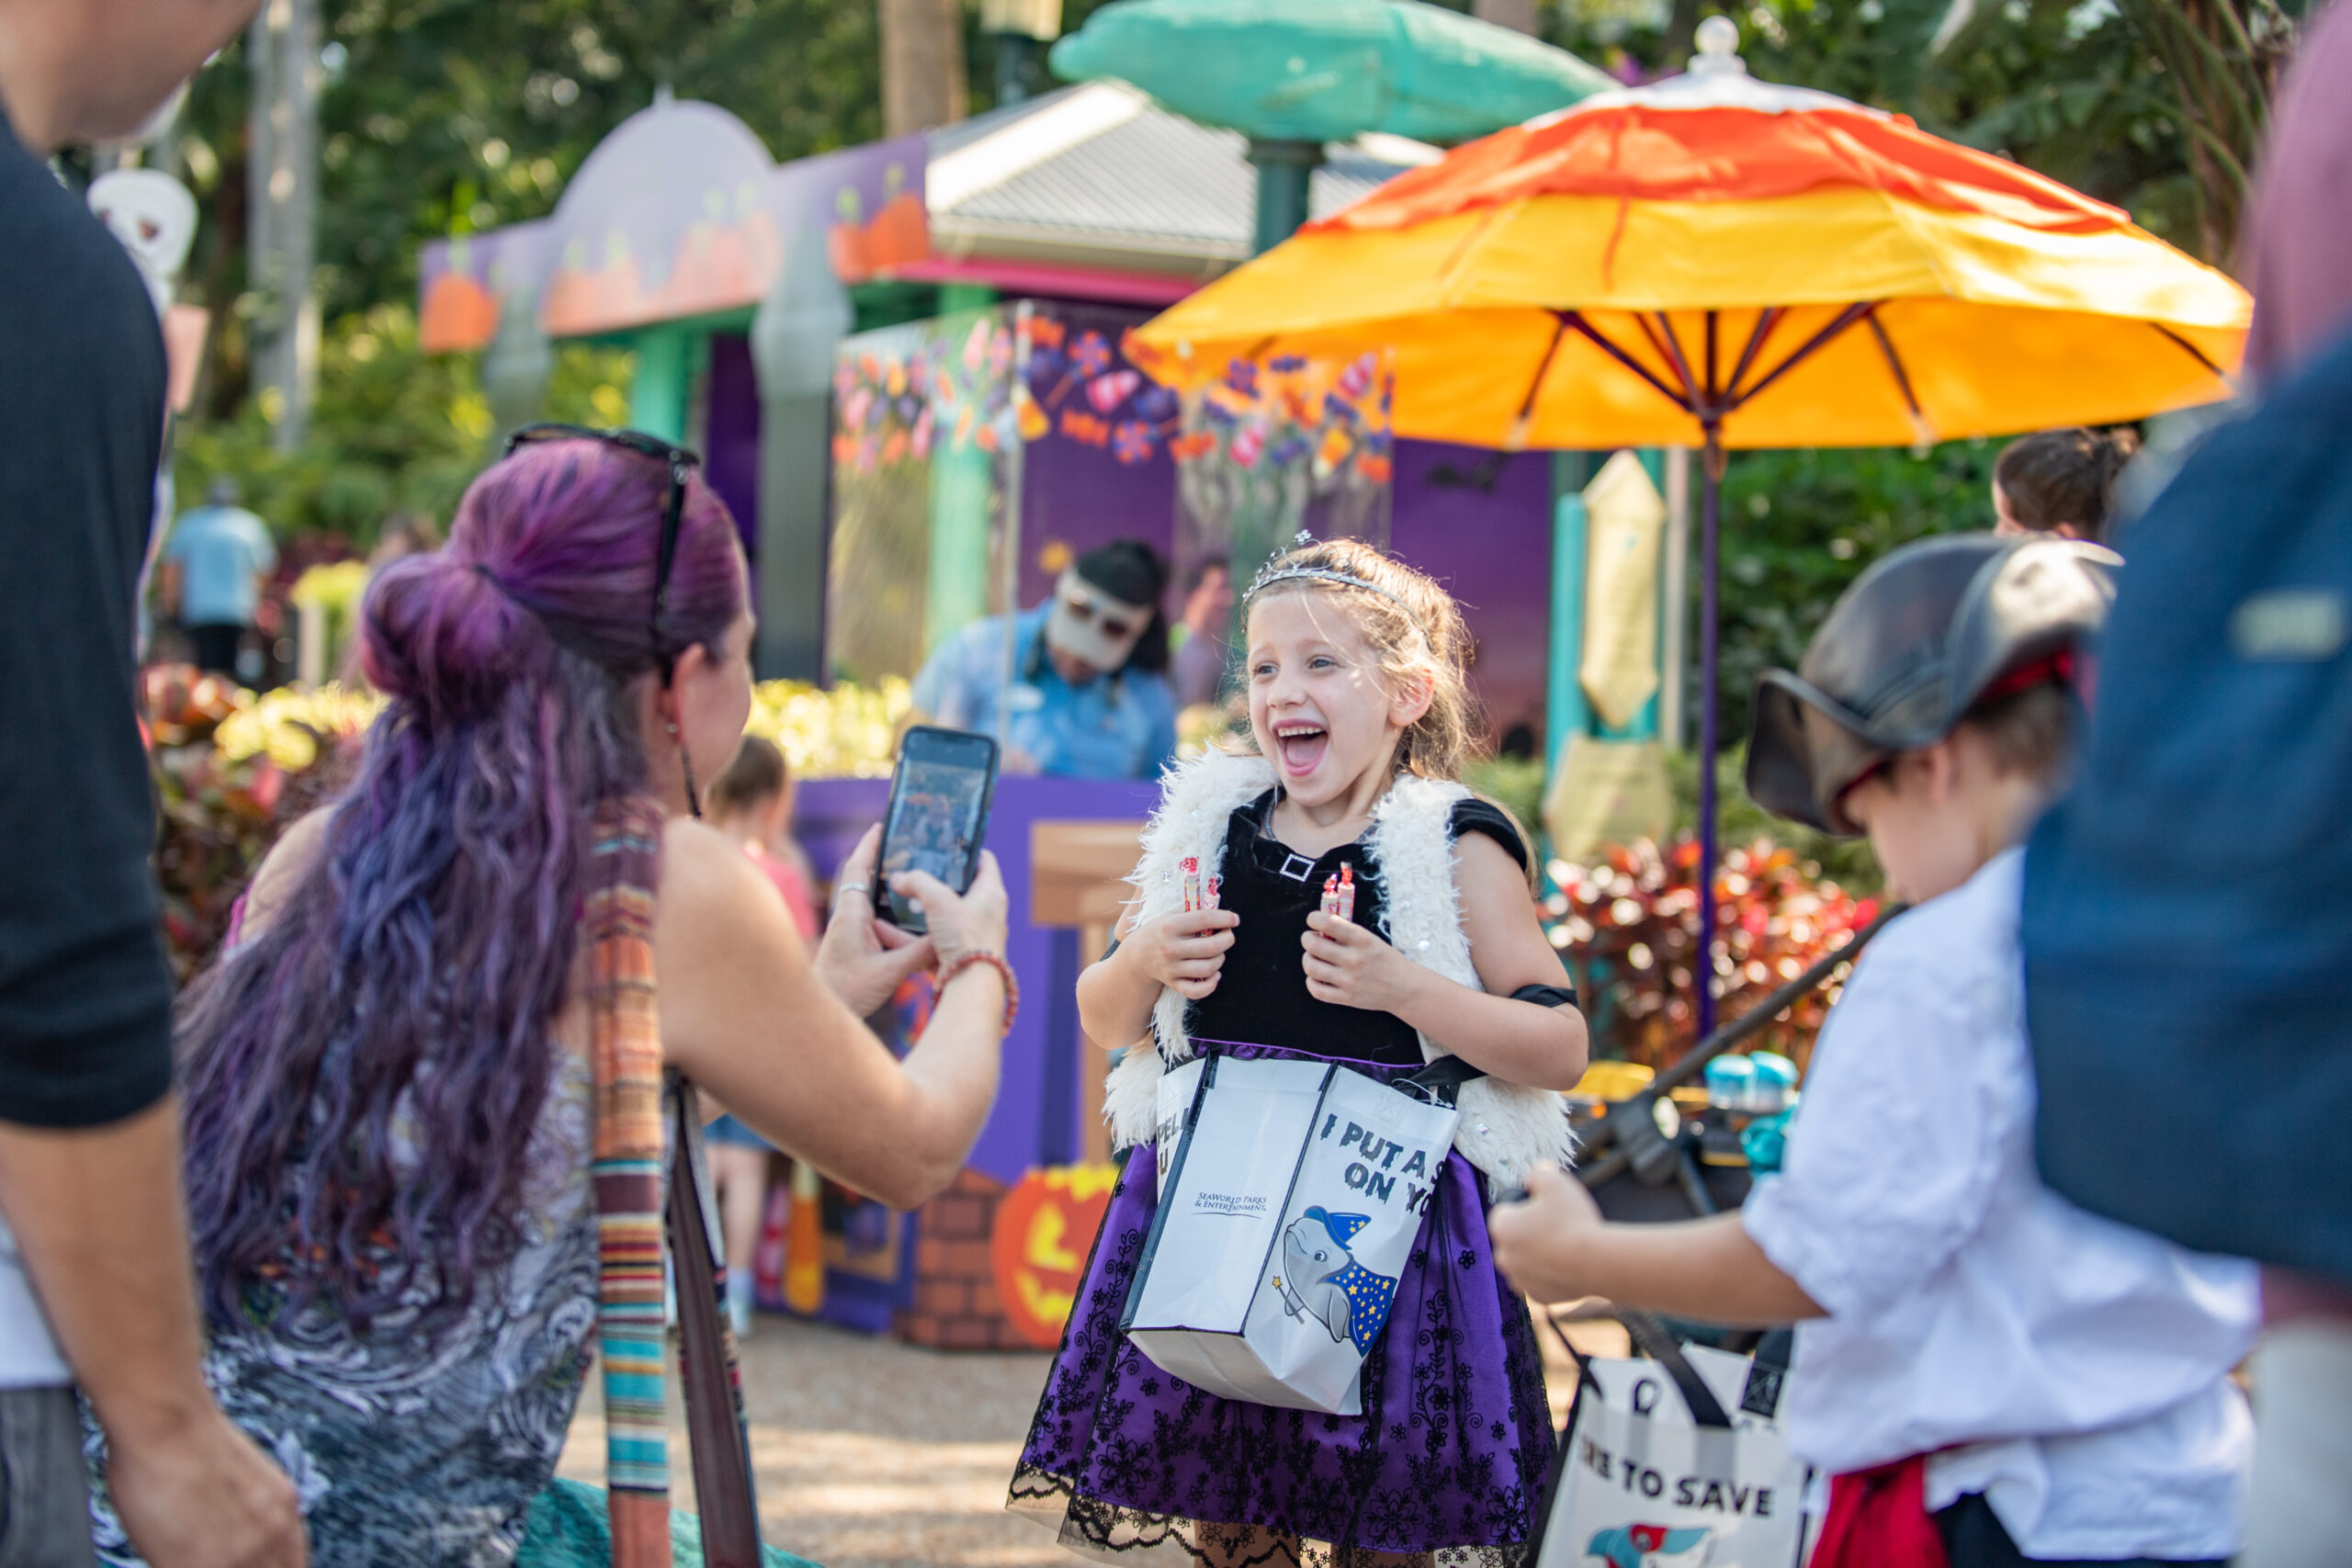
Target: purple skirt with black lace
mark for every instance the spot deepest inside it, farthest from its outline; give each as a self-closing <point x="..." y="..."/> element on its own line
<point x="1446" y="1464"/>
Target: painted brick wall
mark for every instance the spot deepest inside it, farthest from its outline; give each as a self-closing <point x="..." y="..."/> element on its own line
<point x="956" y="1301"/>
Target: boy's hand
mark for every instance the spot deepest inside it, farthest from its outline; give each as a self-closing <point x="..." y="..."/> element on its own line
<point x="1348" y="964"/>
<point x="1184" y="950"/>
<point x="1543" y="1243"/>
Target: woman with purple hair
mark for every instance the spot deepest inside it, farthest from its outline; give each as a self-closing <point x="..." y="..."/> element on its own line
<point x="391" y="1097"/>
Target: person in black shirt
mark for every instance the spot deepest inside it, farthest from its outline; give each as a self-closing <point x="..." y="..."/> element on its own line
<point x="96" y="1288"/>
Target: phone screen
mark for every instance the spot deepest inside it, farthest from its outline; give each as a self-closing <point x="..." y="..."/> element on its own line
<point x="939" y="805"/>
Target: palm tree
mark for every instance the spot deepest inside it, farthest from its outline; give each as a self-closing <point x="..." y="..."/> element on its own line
<point x="2223" y="59"/>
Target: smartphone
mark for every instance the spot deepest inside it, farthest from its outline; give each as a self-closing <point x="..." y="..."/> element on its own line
<point x="937" y="817"/>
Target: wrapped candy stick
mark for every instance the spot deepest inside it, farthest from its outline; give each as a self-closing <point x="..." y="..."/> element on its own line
<point x="1191" y="885"/>
<point x="1212" y="892"/>
<point x="1331" y="895"/>
<point x="1346" y="891"/>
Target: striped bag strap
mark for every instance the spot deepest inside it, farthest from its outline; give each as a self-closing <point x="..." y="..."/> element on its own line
<point x="626" y="1045"/>
<point x="708" y="1377"/>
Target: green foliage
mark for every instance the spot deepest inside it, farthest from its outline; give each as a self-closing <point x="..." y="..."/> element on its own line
<point x="1518" y="784"/>
<point x="394" y="430"/>
<point x="1515" y="784"/>
<point x="442" y="117"/>
<point x="1798" y="526"/>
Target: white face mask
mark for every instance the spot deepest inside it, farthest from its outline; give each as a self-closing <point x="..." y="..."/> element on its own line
<point x="1088" y="624"/>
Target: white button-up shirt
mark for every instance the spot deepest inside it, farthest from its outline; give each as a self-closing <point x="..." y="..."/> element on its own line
<point x="2071" y="1369"/>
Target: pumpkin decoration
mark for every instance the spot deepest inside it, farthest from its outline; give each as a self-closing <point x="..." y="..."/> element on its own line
<point x="459" y="313"/>
<point x="1037" y="1252"/>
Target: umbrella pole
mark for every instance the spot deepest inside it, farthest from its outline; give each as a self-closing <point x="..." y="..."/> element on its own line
<point x="1702" y="963"/>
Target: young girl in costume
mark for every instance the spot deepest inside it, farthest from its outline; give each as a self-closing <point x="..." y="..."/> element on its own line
<point x="1359" y="717"/>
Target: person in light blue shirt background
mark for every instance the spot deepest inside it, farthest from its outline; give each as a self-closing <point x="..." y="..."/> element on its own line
<point x="218" y="560"/>
<point x="1088" y="696"/>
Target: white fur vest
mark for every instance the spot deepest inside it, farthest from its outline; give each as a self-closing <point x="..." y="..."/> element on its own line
<point x="1505" y="1127"/>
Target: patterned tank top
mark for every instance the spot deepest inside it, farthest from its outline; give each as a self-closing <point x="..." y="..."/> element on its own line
<point x="414" y="1447"/>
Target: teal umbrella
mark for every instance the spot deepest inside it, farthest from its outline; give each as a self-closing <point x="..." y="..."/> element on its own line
<point x="1292" y="74"/>
<point x="1329" y="70"/>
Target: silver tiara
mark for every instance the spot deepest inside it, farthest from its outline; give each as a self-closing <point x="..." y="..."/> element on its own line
<point x="1268" y="576"/>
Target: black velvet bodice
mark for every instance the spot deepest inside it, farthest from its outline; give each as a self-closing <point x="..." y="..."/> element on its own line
<point x="1262" y="996"/>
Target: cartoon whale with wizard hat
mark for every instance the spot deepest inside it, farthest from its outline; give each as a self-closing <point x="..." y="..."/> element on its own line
<point x="1322" y="1280"/>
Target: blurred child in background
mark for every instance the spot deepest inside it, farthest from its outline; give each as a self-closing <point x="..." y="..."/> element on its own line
<point x="2061" y="483"/>
<point x="751" y="803"/>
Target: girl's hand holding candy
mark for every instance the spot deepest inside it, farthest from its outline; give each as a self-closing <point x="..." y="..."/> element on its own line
<point x="1349" y="965"/>
<point x="1185" y="949"/>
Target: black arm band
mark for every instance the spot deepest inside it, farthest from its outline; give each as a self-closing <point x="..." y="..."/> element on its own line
<point x="1547" y="995"/>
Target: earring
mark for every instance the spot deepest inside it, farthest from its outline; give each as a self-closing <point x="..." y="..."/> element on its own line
<point x="687" y="763"/>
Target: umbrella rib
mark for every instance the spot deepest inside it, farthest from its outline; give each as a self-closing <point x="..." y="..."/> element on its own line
<point x="1576" y="319"/>
<point x="1766" y="320"/>
<point x="1669" y="348"/>
<point x="1902" y="379"/>
<point x="1844" y="319"/>
<point x="2198" y="355"/>
<point x="1515" y="440"/>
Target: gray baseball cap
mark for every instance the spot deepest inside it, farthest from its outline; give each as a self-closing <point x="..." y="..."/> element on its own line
<point x="1907" y="650"/>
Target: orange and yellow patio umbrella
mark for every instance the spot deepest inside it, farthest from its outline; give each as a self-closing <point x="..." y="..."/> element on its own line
<point x="1718" y="262"/>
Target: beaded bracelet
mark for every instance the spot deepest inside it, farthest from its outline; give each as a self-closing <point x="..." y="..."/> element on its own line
<point x="951" y="967"/>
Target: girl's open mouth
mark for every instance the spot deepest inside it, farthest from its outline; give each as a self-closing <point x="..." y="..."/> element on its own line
<point x="1302" y="746"/>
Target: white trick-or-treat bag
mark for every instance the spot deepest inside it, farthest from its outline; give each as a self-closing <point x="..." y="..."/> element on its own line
<point x="1290" y="1196"/>
<point x="1675" y="1462"/>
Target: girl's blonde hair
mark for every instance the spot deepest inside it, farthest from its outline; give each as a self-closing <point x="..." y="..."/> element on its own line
<point x="1413" y="627"/>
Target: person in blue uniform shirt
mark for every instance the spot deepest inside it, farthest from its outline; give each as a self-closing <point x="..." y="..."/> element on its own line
<point x="1088" y="696"/>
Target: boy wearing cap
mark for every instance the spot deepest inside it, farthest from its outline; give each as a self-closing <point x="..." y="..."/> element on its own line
<point x="1989" y="1374"/>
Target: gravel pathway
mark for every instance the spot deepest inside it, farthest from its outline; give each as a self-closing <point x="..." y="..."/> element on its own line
<point x="875" y="1454"/>
<point x="870" y="1453"/>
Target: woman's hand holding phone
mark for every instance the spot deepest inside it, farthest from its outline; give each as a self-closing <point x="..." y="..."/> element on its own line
<point x="973" y="922"/>
<point x="1185" y="949"/>
<point x="861" y="959"/>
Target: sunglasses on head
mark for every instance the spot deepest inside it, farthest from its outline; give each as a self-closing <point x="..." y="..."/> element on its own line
<point x="680" y="461"/>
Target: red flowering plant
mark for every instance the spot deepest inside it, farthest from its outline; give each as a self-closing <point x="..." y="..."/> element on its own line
<point x="1627" y="927"/>
<point x="231" y="771"/>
